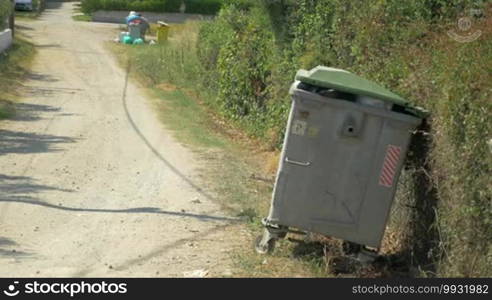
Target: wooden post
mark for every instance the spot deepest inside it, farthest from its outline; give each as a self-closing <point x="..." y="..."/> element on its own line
<point x="12" y="18"/>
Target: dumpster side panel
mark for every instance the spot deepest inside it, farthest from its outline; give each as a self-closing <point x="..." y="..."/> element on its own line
<point x="280" y="181"/>
<point x="339" y="168"/>
<point x="320" y="179"/>
<point x="389" y="160"/>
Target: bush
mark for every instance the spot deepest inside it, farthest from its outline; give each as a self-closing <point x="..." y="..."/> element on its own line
<point x="208" y="7"/>
<point x="244" y="66"/>
<point x="192" y="6"/>
<point x="5" y="10"/>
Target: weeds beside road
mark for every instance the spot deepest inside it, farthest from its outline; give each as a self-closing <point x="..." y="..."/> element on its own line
<point x="191" y="6"/>
<point x="14" y="65"/>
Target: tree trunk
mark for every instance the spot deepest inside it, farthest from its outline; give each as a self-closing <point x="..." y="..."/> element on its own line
<point x="12" y="18"/>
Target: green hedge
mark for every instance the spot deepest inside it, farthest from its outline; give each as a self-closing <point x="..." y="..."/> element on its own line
<point x="207" y="7"/>
<point x="192" y="6"/>
<point x="5" y="9"/>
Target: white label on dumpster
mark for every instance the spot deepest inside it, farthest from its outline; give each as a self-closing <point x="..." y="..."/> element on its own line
<point x="299" y="127"/>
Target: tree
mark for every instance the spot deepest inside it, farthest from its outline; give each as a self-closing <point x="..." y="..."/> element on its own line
<point x="12" y="18"/>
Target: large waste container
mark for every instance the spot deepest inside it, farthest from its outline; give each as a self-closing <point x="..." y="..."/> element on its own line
<point x="344" y="147"/>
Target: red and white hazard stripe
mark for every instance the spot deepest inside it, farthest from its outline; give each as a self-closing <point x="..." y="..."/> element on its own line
<point x="388" y="171"/>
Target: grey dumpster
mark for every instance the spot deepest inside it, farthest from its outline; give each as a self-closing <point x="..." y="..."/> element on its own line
<point x="344" y="147"/>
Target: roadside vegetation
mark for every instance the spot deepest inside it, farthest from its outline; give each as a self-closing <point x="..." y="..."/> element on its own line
<point x="5" y="9"/>
<point x="190" y="6"/>
<point x="13" y="63"/>
<point x="78" y="15"/>
<point x="238" y="69"/>
<point x="82" y="18"/>
<point x="13" y="68"/>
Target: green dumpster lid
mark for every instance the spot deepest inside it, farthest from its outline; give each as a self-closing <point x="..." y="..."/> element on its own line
<point x="345" y="81"/>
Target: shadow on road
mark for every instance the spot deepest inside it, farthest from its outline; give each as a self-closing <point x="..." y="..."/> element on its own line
<point x="30" y="112"/>
<point x="23" y="27"/>
<point x="32" y="90"/>
<point x="48" y="46"/>
<point x="40" y="76"/>
<point x="144" y="139"/>
<point x="6" y="242"/>
<point x="22" y="189"/>
<point x="28" y="142"/>
<point x="8" y="249"/>
<point x="144" y="210"/>
<point x="19" y="187"/>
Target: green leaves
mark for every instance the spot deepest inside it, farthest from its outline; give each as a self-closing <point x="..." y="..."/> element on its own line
<point x="5" y="9"/>
<point x="192" y="6"/>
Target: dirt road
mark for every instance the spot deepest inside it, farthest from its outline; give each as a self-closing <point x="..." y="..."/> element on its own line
<point x="90" y="183"/>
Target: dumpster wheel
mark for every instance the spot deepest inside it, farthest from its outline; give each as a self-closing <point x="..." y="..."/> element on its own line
<point x="265" y="243"/>
<point x="264" y="246"/>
